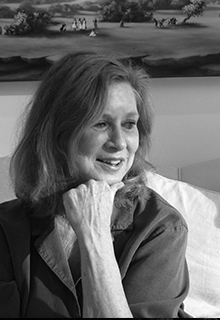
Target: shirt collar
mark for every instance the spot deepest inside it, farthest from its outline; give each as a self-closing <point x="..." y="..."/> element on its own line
<point x="122" y="218"/>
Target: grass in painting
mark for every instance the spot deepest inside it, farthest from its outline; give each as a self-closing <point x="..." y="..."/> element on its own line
<point x="199" y="36"/>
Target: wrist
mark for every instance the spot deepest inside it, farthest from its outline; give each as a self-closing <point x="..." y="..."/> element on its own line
<point x="95" y="244"/>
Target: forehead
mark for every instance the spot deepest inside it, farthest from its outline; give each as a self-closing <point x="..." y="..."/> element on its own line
<point x="121" y="98"/>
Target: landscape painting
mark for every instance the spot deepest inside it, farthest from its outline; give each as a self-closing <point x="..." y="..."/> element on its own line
<point x="169" y="38"/>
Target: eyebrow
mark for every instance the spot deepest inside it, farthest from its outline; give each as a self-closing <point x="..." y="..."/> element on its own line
<point x="130" y="114"/>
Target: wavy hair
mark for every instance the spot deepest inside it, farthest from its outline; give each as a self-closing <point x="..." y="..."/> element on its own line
<point x="70" y="97"/>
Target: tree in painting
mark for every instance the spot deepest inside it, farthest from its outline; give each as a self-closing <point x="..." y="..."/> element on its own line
<point x="129" y="11"/>
<point x="27" y="23"/>
<point x="194" y="9"/>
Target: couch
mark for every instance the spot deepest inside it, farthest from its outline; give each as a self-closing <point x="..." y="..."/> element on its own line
<point x="195" y="191"/>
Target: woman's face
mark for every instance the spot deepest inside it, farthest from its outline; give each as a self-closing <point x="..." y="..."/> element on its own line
<point x="107" y="147"/>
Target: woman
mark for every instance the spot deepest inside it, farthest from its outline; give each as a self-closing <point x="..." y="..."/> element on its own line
<point x="85" y="236"/>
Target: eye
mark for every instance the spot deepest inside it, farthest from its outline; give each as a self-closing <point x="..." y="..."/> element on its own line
<point x="130" y="124"/>
<point x="100" y="125"/>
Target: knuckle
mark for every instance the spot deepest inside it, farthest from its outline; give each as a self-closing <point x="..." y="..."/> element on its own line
<point x="92" y="182"/>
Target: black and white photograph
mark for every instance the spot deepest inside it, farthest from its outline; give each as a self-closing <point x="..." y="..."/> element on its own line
<point x="110" y="159"/>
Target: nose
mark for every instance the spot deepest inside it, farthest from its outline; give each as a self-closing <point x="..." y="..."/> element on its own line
<point x="116" y="139"/>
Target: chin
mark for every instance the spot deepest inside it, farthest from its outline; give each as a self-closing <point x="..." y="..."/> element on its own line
<point x="112" y="181"/>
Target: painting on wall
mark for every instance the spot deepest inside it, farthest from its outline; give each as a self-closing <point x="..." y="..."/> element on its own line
<point x="169" y="38"/>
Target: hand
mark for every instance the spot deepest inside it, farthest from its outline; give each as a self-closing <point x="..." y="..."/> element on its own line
<point x="89" y="207"/>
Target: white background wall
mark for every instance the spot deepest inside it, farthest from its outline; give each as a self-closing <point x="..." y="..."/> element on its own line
<point x="186" y="125"/>
<point x="187" y="122"/>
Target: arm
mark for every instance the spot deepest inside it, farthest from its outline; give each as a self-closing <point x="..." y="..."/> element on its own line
<point x="14" y="259"/>
<point x="102" y="286"/>
<point x="89" y="210"/>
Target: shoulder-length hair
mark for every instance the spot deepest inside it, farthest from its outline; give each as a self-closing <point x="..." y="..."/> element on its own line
<point x="70" y="97"/>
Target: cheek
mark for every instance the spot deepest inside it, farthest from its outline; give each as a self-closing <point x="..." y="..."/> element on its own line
<point x="134" y="142"/>
<point x="88" y="144"/>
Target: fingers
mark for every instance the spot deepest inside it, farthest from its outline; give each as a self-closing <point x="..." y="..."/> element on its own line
<point x="82" y="190"/>
<point x="116" y="186"/>
<point x="90" y="204"/>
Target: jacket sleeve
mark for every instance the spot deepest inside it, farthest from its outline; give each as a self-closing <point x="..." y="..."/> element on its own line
<point x="156" y="281"/>
<point x="9" y="295"/>
<point x="14" y="259"/>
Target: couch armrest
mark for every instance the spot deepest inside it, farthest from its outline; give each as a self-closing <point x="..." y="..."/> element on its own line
<point x="169" y="172"/>
<point x="6" y="191"/>
<point x="204" y="174"/>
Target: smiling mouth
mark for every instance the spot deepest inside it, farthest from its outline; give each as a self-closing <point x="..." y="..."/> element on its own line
<point x="112" y="163"/>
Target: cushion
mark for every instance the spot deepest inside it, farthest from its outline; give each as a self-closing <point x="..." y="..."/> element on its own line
<point x="204" y="174"/>
<point x="201" y="210"/>
<point x="6" y="192"/>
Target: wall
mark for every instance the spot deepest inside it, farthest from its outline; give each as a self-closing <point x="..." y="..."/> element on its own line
<point x="187" y="120"/>
<point x="186" y="125"/>
<point x="13" y="99"/>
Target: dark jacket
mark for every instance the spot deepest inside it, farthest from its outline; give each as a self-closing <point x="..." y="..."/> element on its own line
<point x="149" y="241"/>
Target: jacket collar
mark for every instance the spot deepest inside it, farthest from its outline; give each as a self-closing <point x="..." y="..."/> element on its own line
<point x="49" y="246"/>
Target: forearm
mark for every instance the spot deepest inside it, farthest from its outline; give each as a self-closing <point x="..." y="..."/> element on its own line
<point x="103" y="293"/>
<point x="89" y="210"/>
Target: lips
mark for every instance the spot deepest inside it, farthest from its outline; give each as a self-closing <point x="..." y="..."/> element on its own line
<point x="111" y="162"/>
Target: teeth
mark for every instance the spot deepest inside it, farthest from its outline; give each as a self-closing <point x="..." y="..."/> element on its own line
<point x="112" y="162"/>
